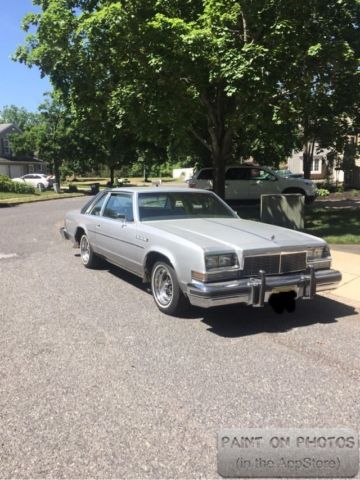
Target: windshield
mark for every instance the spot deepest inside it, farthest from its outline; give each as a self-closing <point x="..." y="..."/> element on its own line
<point x="172" y="205"/>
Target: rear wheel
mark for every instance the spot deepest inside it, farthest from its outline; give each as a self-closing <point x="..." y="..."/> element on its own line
<point x="40" y="186"/>
<point x="88" y="257"/>
<point x="166" y="290"/>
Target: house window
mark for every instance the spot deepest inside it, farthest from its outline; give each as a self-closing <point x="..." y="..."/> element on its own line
<point x="6" y="147"/>
<point x="31" y="168"/>
<point x="316" y="165"/>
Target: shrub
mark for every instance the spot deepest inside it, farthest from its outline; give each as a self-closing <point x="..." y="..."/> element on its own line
<point x="72" y="188"/>
<point x="323" y="192"/>
<point x="7" y="185"/>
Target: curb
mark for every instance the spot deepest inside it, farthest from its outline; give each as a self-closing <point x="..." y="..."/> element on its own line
<point x="10" y="203"/>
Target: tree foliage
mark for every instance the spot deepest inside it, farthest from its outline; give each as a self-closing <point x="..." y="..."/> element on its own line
<point x="240" y="78"/>
<point x="19" y="116"/>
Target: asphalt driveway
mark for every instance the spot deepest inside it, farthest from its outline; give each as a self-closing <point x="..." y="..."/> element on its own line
<point x="96" y="382"/>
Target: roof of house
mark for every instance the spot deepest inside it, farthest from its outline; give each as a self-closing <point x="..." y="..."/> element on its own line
<point x="6" y="126"/>
<point x="21" y="161"/>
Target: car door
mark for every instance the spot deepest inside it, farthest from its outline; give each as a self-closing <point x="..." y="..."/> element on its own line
<point x="29" y="179"/>
<point x="93" y="215"/>
<point x="236" y="185"/>
<point x="261" y="182"/>
<point x="116" y="233"/>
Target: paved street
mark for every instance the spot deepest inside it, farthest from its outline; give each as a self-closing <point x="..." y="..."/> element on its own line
<point x="96" y="382"/>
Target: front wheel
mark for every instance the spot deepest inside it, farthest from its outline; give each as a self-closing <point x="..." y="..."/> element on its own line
<point x="166" y="290"/>
<point x="88" y="257"/>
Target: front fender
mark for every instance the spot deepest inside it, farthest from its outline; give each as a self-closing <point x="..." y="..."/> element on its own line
<point x="162" y="251"/>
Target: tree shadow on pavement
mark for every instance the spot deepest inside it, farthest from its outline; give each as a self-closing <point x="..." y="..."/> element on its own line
<point x="240" y="320"/>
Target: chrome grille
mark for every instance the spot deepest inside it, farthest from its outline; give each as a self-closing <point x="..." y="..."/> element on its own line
<point x="274" y="264"/>
<point x="269" y="263"/>
<point x="293" y="262"/>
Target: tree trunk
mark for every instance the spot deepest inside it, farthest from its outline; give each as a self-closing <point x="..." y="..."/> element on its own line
<point x="308" y="157"/>
<point x="220" y="154"/>
<point x="220" y="136"/>
<point x="220" y="139"/>
<point x="112" y="172"/>
<point x="57" y="172"/>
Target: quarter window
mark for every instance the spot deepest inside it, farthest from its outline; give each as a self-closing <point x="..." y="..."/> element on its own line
<point x="206" y="174"/>
<point x="96" y="209"/>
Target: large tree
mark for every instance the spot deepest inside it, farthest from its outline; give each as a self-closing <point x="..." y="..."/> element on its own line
<point x="225" y="72"/>
<point x="322" y="82"/>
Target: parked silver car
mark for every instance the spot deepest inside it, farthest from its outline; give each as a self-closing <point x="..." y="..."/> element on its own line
<point x="193" y="248"/>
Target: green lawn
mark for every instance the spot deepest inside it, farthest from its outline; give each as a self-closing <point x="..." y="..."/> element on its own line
<point x="7" y="198"/>
<point x="335" y="225"/>
<point x="133" y="181"/>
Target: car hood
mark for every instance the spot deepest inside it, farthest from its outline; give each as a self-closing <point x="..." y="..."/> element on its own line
<point x="233" y="233"/>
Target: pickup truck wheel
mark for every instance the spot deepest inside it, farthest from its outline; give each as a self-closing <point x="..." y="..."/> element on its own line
<point x="88" y="257"/>
<point x="166" y="290"/>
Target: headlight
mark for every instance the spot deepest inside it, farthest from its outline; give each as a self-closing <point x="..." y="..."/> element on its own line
<point x="318" y="253"/>
<point x="226" y="260"/>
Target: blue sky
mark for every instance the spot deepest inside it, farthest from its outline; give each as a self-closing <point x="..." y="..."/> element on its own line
<point x="19" y="85"/>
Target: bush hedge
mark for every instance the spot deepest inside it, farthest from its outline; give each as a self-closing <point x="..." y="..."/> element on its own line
<point x="7" y="185"/>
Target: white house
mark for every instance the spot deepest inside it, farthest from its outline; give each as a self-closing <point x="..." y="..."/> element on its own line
<point x="12" y="166"/>
<point x="320" y="169"/>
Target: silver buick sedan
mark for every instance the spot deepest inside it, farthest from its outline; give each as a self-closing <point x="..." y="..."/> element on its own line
<point x="194" y="249"/>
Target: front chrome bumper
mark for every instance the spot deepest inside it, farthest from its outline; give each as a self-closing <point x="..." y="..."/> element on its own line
<point x="64" y="233"/>
<point x="257" y="291"/>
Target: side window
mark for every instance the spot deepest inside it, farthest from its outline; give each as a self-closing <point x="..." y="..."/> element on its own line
<point x="231" y="174"/>
<point x="119" y="205"/>
<point x="237" y="173"/>
<point x="258" y="174"/>
<point x="96" y="209"/>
